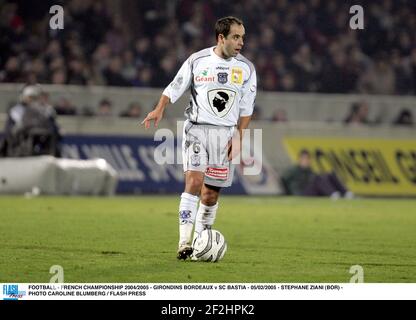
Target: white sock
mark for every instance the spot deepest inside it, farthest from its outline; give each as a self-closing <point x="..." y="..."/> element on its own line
<point x="187" y="212"/>
<point x="205" y="218"/>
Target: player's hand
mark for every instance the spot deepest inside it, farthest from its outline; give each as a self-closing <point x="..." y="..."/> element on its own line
<point x="155" y="115"/>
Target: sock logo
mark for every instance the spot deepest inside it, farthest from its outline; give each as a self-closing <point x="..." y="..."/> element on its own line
<point x="185" y="216"/>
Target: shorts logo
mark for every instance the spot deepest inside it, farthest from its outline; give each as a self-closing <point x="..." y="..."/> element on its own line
<point x="222" y="77"/>
<point x="237" y="75"/>
<point x="195" y="160"/>
<point x="217" y="173"/>
<point x="221" y="101"/>
<point x="196" y="147"/>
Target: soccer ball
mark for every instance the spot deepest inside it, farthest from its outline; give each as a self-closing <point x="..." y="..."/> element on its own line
<point x="210" y="246"/>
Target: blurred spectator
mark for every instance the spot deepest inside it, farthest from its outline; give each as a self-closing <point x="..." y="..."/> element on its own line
<point x="64" y="107"/>
<point x="405" y="118"/>
<point x="306" y="68"/>
<point x="105" y="108"/>
<point x="117" y="36"/>
<point x="112" y="73"/>
<point x="11" y="72"/>
<point x="279" y="116"/>
<point x="379" y="79"/>
<point x="87" y="111"/>
<point x="77" y="74"/>
<point x="31" y="128"/>
<point x="298" y="46"/>
<point x="358" y="113"/>
<point x="300" y="180"/>
<point x="134" y="111"/>
<point x="287" y="83"/>
<point x="59" y="77"/>
<point x="143" y="77"/>
<point x="129" y="69"/>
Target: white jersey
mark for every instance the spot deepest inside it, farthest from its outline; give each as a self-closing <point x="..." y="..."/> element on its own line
<point x="222" y="90"/>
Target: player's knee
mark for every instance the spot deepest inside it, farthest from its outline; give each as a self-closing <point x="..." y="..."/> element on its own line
<point x="209" y="197"/>
<point x="194" y="184"/>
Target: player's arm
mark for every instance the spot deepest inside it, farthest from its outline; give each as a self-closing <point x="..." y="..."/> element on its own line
<point x="242" y="125"/>
<point x="171" y="94"/>
<point x="234" y="147"/>
<point x="246" y="110"/>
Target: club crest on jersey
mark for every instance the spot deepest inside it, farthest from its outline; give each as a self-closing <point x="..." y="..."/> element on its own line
<point x="237" y="75"/>
<point x="221" y="101"/>
<point x="222" y="77"/>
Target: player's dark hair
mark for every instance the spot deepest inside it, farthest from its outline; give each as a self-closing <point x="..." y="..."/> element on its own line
<point x="223" y="25"/>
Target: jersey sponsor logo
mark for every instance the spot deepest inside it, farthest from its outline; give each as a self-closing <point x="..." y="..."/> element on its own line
<point x="204" y="76"/>
<point x="221" y="101"/>
<point x="217" y="173"/>
<point x="222" y="68"/>
<point x="222" y="77"/>
<point x="199" y="79"/>
<point x="237" y="75"/>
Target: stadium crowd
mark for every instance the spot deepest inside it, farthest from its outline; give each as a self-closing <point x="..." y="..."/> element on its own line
<point x="297" y="46"/>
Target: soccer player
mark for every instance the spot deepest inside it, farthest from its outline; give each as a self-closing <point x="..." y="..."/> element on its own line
<point x="223" y="85"/>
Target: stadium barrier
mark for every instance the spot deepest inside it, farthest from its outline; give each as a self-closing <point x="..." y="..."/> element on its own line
<point x="129" y="148"/>
<point x="298" y="106"/>
<point x="129" y="132"/>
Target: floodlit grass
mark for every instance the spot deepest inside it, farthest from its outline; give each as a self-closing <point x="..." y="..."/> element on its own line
<point x="134" y="239"/>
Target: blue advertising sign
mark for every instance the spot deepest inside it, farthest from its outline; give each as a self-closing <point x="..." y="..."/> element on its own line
<point x="133" y="159"/>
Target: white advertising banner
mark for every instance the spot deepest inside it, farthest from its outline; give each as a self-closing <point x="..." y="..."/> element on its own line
<point x="52" y="176"/>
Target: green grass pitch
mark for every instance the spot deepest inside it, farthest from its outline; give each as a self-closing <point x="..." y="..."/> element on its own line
<point x="134" y="239"/>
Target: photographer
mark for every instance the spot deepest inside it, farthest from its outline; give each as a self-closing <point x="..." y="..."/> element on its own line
<point x="31" y="128"/>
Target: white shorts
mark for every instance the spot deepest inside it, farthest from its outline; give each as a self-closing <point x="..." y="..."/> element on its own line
<point x="205" y="149"/>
